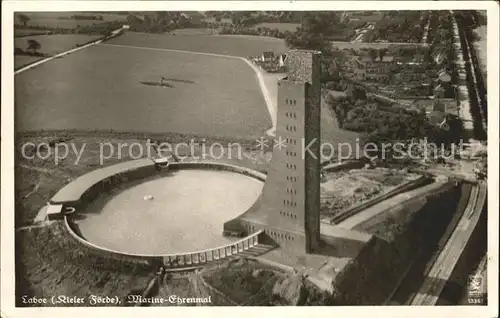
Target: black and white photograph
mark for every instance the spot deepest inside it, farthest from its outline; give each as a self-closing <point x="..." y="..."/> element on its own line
<point x="329" y="154"/>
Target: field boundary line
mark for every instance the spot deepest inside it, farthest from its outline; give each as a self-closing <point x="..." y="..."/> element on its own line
<point x="171" y="50"/>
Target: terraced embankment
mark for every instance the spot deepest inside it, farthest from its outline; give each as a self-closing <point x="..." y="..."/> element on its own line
<point x="372" y="277"/>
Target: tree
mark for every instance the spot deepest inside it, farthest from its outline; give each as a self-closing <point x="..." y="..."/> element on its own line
<point x="382" y="52"/>
<point x="358" y="93"/>
<point x="133" y="20"/>
<point x="373" y="54"/>
<point x="33" y="45"/>
<point x="23" y="18"/>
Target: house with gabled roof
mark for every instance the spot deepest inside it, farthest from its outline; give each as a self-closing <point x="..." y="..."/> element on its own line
<point x="267" y="56"/>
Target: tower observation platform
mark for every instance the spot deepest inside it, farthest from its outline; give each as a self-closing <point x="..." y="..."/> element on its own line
<point x="288" y="207"/>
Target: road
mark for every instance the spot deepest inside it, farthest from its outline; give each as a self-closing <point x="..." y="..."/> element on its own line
<point x="426" y="29"/>
<point x="442" y="269"/>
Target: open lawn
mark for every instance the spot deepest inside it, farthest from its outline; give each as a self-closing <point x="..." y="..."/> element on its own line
<point x="51" y="19"/>
<point x="57" y="43"/>
<point x="243" y="46"/>
<point x="50" y="45"/>
<point x="211" y="96"/>
<point x="22" y="60"/>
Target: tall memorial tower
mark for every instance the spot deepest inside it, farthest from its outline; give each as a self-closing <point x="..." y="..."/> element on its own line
<point x="288" y="209"/>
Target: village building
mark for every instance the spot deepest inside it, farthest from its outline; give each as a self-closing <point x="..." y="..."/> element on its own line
<point x="372" y="70"/>
<point x="439" y="91"/>
<point x="282" y="60"/>
<point x="267" y="56"/>
<point x="444" y="76"/>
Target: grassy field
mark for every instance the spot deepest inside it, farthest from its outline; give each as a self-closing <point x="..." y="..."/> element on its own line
<point x="373" y="16"/>
<point x="50" y="45"/>
<point x="192" y="31"/>
<point x="212" y="96"/>
<point x="22" y="60"/>
<point x="282" y="27"/>
<point x="200" y="102"/>
<point x="22" y="32"/>
<point x="50" y="19"/>
<point x="243" y="46"/>
<point x="57" y="43"/>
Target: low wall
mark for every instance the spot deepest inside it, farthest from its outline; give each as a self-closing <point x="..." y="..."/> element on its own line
<point x="130" y="258"/>
<point x="334" y="167"/>
<point x="188" y="259"/>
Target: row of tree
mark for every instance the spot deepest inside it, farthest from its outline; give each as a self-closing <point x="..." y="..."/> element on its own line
<point x="82" y="17"/>
<point x="103" y="28"/>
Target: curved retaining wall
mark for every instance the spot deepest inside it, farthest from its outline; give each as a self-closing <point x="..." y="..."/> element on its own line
<point x="143" y="169"/>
